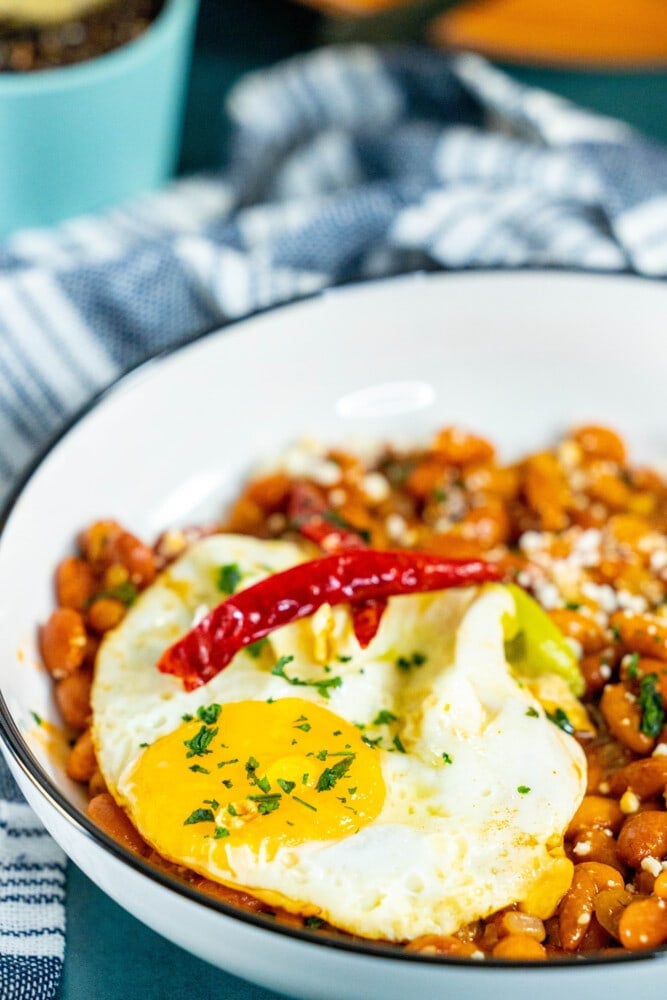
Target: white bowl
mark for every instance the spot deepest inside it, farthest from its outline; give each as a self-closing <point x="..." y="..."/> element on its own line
<point x="517" y="356"/>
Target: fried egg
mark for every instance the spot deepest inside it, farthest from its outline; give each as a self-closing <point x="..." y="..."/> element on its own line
<point x="404" y="789"/>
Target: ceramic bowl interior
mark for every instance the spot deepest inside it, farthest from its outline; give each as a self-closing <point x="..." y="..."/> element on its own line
<point x="518" y="357"/>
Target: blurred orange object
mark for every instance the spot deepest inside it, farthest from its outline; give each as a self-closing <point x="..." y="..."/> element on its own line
<point x="355" y="6"/>
<point x="583" y="32"/>
<point x="599" y="33"/>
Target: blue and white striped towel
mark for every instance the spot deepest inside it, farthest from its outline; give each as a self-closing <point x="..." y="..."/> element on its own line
<point x="346" y="164"/>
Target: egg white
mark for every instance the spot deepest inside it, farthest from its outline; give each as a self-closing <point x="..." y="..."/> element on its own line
<point x="458" y="836"/>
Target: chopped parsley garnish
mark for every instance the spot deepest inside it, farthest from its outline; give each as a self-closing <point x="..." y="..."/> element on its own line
<point x="213" y="803"/>
<point x="220" y="832"/>
<point x="407" y="662"/>
<point x="523" y="789"/>
<point x="264" y="784"/>
<point x="572" y="606"/>
<point x="331" y="775"/>
<point x="304" y="778"/>
<point x="255" y="648"/>
<point x="305" y="727"/>
<point x="313" y="922"/>
<point x="532" y="713"/>
<point x="383" y="718"/>
<point x="231" y="810"/>
<point x="251" y="764"/>
<point x="560" y="719"/>
<point x="144" y="745"/>
<point x="223" y="763"/>
<point x="333" y="517"/>
<point x="266" y="803"/>
<point x="295" y="798"/>
<point x="36" y="718"/>
<point x="199" y="744"/>
<point x="187" y="717"/>
<point x="209" y="713"/>
<point x="439" y="496"/>
<point x="227" y="783"/>
<point x="650" y="704"/>
<point x="323" y="687"/>
<point x="632" y="666"/>
<point x="229" y="577"/>
<point x="322" y="754"/>
<point x="352" y="791"/>
<point x="343" y="659"/>
<point x="200" y="816"/>
<point x="371" y="743"/>
<point x="447" y="759"/>
<point x="287" y="786"/>
<point x="398" y="744"/>
<point x="125" y="592"/>
<point x="198" y="769"/>
<point x="337" y="732"/>
<point x="616" y="632"/>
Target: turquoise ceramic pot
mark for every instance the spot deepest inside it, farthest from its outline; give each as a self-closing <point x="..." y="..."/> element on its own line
<point x="79" y="138"/>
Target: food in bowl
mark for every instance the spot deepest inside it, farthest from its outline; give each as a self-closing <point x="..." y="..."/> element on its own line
<point x="442" y="769"/>
<point x="42" y="34"/>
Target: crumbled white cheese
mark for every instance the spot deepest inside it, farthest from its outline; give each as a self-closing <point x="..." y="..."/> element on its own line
<point x="375" y="486"/>
<point x="397" y="527"/>
<point x="629" y="803"/>
<point x="652" y="866"/>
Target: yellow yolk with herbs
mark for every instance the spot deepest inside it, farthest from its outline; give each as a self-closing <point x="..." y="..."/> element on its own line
<point x="410" y="788"/>
<point x="257" y="775"/>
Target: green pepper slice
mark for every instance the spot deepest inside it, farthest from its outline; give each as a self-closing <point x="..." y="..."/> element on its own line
<point x="534" y="645"/>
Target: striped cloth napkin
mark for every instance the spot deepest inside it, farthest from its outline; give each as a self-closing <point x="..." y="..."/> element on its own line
<point x="346" y="164"/>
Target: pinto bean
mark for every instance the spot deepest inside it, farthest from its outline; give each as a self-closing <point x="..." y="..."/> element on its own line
<point x="595" y="811"/>
<point x="270" y="492"/>
<point x="605" y="877"/>
<point x="96" y="541"/>
<point x="105" y="613"/>
<point x="646" y="778"/>
<point x="597" y="845"/>
<point x="600" y="442"/>
<point x="459" y="447"/>
<point x="135" y="556"/>
<point x="73" y="698"/>
<point x="63" y="642"/>
<point x="609" y="905"/>
<point x="576" y="909"/>
<point x="97" y="784"/>
<point x="596" y="668"/>
<point x="644" y="835"/>
<point x="108" y="815"/>
<point x="516" y="922"/>
<point x="643" y="634"/>
<point x="519" y="947"/>
<point x="546" y="490"/>
<point x="580" y="626"/>
<point x="623" y="716"/>
<point x="643" y="924"/>
<point x="75" y="583"/>
<point x="82" y="762"/>
<point x="437" y="944"/>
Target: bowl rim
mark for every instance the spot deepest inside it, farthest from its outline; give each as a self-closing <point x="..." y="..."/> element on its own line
<point x="13" y="741"/>
<point x="106" y="66"/>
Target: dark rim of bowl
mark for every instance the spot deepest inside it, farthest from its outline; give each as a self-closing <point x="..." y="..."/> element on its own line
<point x="13" y="740"/>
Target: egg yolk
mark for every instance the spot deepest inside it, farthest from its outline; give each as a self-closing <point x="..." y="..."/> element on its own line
<point x="258" y="775"/>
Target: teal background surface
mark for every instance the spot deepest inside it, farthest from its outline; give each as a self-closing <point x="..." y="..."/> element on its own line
<point x="84" y="137"/>
<point x="110" y="956"/>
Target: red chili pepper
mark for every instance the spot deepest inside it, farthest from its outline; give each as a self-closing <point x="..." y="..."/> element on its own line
<point x="322" y="525"/>
<point x="299" y="591"/>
